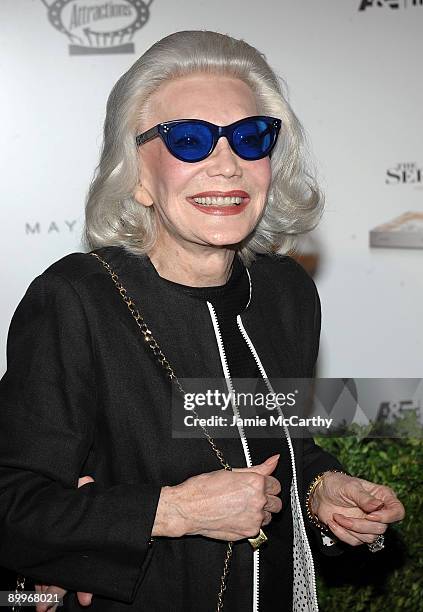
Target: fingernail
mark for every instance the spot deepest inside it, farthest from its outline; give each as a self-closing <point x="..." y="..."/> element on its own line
<point x="272" y="459"/>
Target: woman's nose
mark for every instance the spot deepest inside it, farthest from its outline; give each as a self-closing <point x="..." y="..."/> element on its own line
<point x="223" y="160"/>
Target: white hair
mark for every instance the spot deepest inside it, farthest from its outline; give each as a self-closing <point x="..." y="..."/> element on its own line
<point x="294" y="201"/>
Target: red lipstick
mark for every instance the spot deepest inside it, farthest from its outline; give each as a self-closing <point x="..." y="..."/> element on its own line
<point x="236" y="193"/>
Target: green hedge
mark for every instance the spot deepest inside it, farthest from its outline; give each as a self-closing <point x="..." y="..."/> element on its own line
<point x="390" y="579"/>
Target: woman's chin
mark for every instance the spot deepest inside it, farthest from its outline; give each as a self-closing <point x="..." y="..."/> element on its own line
<point x="225" y="240"/>
<point x="227" y="236"/>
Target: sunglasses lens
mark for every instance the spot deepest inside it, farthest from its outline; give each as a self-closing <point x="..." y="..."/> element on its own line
<point x="254" y="138"/>
<point x="189" y="141"/>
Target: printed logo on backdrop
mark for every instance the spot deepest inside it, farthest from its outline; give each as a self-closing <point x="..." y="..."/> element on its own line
<point x="392" y="4"/>
<point x="96" y="27"/>
<point x="405" y="173"/>
<point x="36" y="228"/>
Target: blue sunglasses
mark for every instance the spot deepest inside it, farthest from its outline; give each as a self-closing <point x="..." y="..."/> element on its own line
<point x="192" y="140"/>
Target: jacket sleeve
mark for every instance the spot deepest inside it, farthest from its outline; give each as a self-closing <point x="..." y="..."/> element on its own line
<point x="92" y="539"/>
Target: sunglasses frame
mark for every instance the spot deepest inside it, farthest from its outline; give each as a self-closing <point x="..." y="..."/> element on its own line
<point x="217" y="131"/>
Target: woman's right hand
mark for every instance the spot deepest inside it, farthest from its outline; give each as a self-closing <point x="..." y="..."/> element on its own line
<point x="225" y="504"/>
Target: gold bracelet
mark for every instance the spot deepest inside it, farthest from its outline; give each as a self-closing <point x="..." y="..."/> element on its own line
<point x="312" y="488"/>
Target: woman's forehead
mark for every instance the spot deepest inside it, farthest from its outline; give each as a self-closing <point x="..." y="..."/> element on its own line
<point x="215" y="98"/>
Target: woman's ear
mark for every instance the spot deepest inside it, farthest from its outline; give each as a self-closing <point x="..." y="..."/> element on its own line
<point x="143" y="196"/>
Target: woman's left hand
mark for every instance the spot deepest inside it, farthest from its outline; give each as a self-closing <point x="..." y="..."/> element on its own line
<point x="354" y="509"/>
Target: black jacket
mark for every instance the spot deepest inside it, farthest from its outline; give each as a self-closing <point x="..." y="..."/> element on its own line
<point x="83" y="395"/>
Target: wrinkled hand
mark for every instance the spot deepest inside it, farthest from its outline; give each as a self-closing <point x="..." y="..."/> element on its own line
<point x="83" y="598"/>
<point x="224" y="504"/>
<point x="354" y="509"/>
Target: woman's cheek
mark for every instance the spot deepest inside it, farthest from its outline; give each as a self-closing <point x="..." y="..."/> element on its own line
<point x="266" y="173"/>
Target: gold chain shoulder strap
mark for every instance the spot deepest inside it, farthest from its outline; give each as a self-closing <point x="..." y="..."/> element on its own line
<point x="157" y="352"/>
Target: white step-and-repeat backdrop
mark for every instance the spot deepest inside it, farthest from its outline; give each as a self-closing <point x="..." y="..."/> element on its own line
<point x="354" y="73"/>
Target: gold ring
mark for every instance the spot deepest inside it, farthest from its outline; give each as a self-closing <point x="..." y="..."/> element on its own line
<point x="258" y="540"/>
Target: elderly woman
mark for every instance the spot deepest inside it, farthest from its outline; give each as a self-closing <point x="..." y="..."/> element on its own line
<point x="202" y="176"/>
